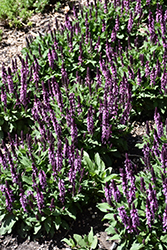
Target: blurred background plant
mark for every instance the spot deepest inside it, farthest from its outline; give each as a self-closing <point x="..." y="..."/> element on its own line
<point x="16" y="13"/>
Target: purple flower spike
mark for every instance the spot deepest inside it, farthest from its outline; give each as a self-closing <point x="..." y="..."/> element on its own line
<point x="123" y="215"/>
<point x="108" y="193"/>
<point x="158" y="123"/>
<point x="153" y="203"/>
<point x="59" y="157"/>
<point x="61" y="190"/>
<point x="90" y="122"/>
<point x="115" y="191"/>
<point x="74" y="130"/>
<point x="139" y="79"/>
<point x="124" y="181"/>
<point x="128" y="167"/>
<point x="8" y="195"/>
<point x="50" y="59"/>
<point x="130" y="194"/>
<point x="151" y="25"/>
<point x="4" y="98"/>
<point x="165" y="219"/>
<point x="130" y="22"/>
<point x="40" y="199"/>
<point x="164" y="81"/>
<point x="10" y="82"/>
<point x="117" y="23"/>
<point x="142" y="183"/>
<point x="80" y="58"/>
<point x="163" y="156"/>
<point x="42" y="179"/>
<point x="79" y="106"/>
<point x="3" y="160"/>
<point x="52" y="206"/>
<point x="13" y="172"/>
<point x="103" y="25"/>
<point x="147" y="69"/>
<point x="164" y="185"/>
<point x="116" y="3"/>
<point x="153" y="178"/>
<point x="135" y="218"/>
<point x="113" y="35"/>
<point x="148" y="213"/>
<point x="138" y="7"/>
<point x="23" y="201"/>
<point x="105" y="7"/>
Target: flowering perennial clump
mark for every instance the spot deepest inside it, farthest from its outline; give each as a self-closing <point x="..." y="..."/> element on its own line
<point x="66" y="113"/>
<point x="142" y="199"/>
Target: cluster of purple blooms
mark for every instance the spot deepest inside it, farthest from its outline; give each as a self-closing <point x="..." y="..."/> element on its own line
<point x="128" y="213"/>
<point x="113" y="194"/>
<point x="113" y="107"/>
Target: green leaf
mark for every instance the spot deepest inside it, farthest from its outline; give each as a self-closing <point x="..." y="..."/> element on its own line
<point x="110" y="229"/>
<point x="57" y="222"/>
<point x="160" y="247"/>
<point x="141" y="212"/>
<point x="115" y="237"/>
<point x="104" y="206"/>
<point x="27" y="179"/>
<point x="94" y="243"/>
<point x="120" y="36"/>
<point x="71" y="215"/>
<point x="108" y="216"/>
<point x="48" y="224"/>
<point x="37" y="228"/>
<point x="69" y="242"/>
<point x="147" y="238"/>
<point x="97" y="159"/>
<point x="2" y="216"/>
<point x="87" y="161"/>
<point x="90" y="236"/>
<point x="110" y="177"/>
<point x="80" y="241"/>
<point x="7" y="224"/>
<point x="136" y="246"/>
<point x="163" y="238"/>
<point x="25" y="161"/>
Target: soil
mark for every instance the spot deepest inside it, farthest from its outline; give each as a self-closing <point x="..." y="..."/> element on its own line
<point x="11" y="44"/>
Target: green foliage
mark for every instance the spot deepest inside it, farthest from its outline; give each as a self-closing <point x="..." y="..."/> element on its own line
<point x="86" y="242"/>
<point x="150" y="233"/>
<point x="56" y="120"/>
<point x="62" y="212"/>
<point x="16" y="13"/>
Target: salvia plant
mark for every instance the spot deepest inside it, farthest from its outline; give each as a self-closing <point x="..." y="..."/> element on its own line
<point x="65" y="114"/>
<point x="135" y="202"/>
<point x="126" y="37"/>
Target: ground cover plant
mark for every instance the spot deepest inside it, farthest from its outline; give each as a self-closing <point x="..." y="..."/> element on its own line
<point x="66" y="114"/>
<point x="16" y="13"/>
